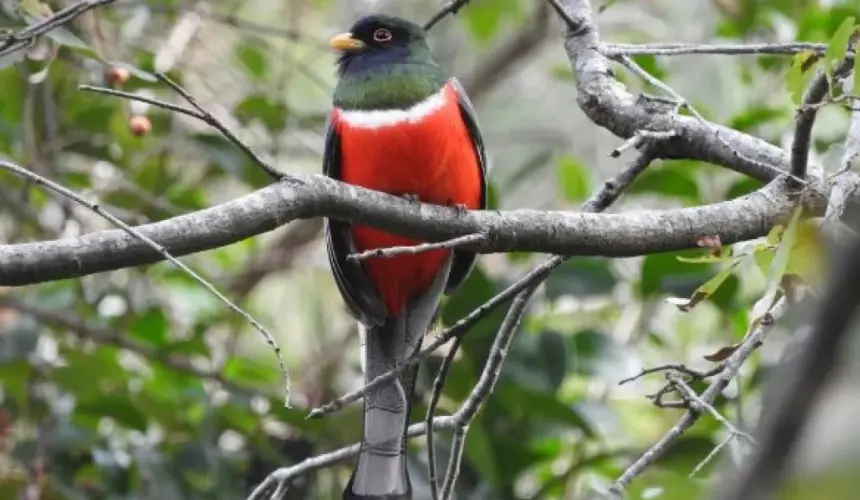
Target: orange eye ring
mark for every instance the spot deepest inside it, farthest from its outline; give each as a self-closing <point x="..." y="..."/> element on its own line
<point x="382" y="35"/>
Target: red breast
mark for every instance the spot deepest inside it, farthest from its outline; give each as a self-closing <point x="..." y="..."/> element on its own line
<point x="424" y="151"/>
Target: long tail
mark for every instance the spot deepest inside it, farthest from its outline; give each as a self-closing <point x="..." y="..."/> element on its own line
<point x="380" y="473"/>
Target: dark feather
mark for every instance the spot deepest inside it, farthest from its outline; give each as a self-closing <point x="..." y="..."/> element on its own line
<point x="360" y="295"/>
<point x="464" y="261"/>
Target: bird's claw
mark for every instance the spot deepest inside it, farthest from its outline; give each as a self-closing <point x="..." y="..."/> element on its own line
<point x="461" y="208"/>
<point x="411" y="197"/>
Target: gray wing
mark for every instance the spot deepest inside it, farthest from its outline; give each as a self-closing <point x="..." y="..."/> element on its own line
<point x="358" y="292"/>
<point x="464" y="261"/>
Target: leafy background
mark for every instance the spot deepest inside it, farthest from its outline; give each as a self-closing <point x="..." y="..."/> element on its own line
<point x="138" y="384"/>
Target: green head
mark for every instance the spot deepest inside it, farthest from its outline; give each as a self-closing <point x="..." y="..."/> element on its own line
<point x="385" y="63"/>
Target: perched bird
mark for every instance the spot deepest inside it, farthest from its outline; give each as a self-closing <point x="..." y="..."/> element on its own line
<point x="400" y="126"/>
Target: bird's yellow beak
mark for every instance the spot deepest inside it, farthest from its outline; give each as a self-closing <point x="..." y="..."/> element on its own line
<point x="345" y="42"/>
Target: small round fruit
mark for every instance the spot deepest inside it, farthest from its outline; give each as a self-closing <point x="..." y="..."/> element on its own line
<point x="117" y="76"/>
<point x="139" y="125"/>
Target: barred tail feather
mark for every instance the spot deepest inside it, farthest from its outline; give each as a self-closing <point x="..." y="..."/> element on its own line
<point x="381" y="473"/>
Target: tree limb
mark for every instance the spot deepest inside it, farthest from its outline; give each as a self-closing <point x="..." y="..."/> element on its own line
<point x="608" y="103"/>
<point x="306" y="196"/>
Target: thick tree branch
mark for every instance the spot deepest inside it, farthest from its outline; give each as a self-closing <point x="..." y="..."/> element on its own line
<point x="306" y="196"/>
<point x="608" y="103"/>
<point x="843" y="188"/>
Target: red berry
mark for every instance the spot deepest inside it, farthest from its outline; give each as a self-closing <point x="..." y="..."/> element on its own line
<point x="139" y="125"/>
<point x="117" y="76"/>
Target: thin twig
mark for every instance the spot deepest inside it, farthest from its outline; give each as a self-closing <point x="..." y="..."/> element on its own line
<point x="389" y="252"/>
<point x="613" y="50"/>
<point x="22" y="39"/>
<point x="220" y="127"/>
<point x="678" y="367"/>
<point x="485" y="385"/>
<point x="612" y="189"/>
<point x="710" y="456"/>
<point x="198" y="112"/>
<point x="134" y="233"/>
<point x="844" y="186"/>
<point x="639" y="138"/>
<point x="499" y="350"/>
<point x="286" y="474"/>
<point x="231" y="19"/>
<point x="438" y="385"/>
<point x="571" y="23"/>
<point x="648" y="77"/>
<point x="458" y="328"/>
<point x="688" y="392"/>
<point x="102" y="335"/>
<point x="805" y="117"/>
<point x="450" y="8"/>
<point x="142" y="98"/>
<point x="731" y="367"/>
<point x="806" y="380"/>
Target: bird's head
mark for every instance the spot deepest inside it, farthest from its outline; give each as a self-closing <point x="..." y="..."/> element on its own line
<point x="376" y="41"/>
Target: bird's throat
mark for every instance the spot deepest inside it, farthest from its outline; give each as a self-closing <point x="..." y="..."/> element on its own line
<point x="393" y="86"/>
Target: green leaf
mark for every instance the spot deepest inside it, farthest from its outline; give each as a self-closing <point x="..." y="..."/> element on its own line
<point x="594" y="353"/>
<point x="150" y="327"/>
<point x="11" y="58"/>
<point x="553" y="352"/>
<point x="485" y="17"/>
<point x="88" y="375"/>
<point x="743" y="186"/>
<point x="546" y="406"/>
<point x="120" y="408"/>
<point x="837" y="46"/>
<point x="777" y="267"/>
<point x="664" y="273"/>
<point x="16" y="376"/>
<point x="251" y="52"/>
<point x="573" y="179"/>
<point x="685" y="453"/>
<point x="756" y="115"/>
<point x="808" y="255"/>
<point x="229" y="158"/>
<point x="581" y="276"/>
<point x="799" y="74"/>
<point x="667" y="180"/>
<point x="134" y="71"/>
<point x="650" y="64"/>
<point x="66" y="38"/>
<point x="705" y="290"/>
<point x="273" y="115"/>
<point x="479" y="451"/>
<point x="249" y="371"/>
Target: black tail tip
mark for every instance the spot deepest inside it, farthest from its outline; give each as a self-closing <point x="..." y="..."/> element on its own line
<point x="349" y="495"/>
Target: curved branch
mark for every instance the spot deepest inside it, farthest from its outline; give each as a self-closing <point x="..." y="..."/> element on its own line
<point x="607" y="102"/>
<point x="306" y="196"/>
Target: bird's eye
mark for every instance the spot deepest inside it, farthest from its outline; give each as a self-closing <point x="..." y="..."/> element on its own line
<point x="382" y="35"/>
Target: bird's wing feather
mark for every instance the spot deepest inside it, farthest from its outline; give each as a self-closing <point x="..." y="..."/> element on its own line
<point x="358" y="292"/>
<point x="465" y="260"/>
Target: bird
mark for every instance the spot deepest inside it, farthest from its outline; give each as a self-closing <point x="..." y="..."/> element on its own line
<point x="398" y="125"/>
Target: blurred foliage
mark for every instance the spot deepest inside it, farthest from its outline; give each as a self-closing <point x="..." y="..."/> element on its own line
<point x="137" y="384"/>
